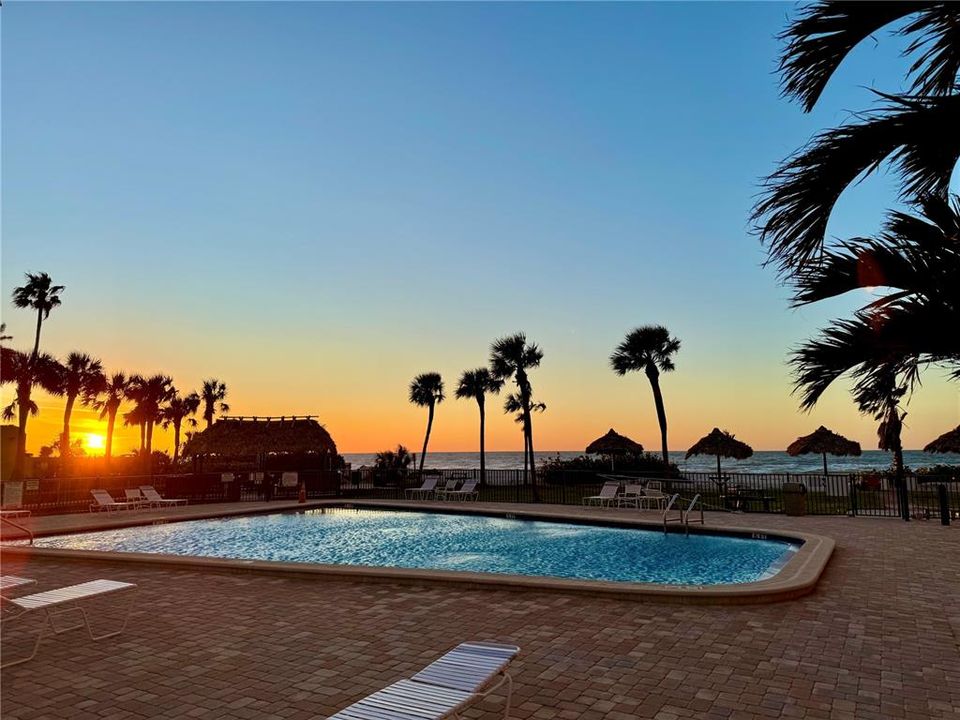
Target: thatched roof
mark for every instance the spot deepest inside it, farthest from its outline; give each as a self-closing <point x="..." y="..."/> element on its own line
<point x="614" y="443"/>
<point x="822" y="441"/>
<point x="248" y="437"/>
<point x="949" y="442"/>
<point x="722" y="444"/>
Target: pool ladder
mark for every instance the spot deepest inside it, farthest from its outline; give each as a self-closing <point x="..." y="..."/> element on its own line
<point x="19" y="527"/>
<point x="683" y="516"/>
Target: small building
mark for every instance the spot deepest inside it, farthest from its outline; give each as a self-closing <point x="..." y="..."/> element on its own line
<point x="264" y="443"/>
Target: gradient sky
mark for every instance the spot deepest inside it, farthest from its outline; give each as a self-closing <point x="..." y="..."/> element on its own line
<point x="316" y="202"/>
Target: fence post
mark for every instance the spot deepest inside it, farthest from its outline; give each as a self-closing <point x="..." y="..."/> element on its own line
<point x="944" y="504"/>
<point x="852" y="483"/>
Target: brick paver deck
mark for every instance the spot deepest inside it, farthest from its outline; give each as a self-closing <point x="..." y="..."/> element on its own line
<point x="880" y="638"/>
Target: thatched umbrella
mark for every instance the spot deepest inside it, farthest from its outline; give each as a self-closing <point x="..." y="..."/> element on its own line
<point x="613" y="444"/>
<point x="722" y="444"/>
<point x="949" y="442"/>
<point x="822" y="441"/>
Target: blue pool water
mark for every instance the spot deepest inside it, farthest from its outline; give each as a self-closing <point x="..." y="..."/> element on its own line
<point x="389" y="538"/>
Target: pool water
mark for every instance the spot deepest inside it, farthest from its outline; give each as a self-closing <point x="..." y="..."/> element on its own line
<point x="438" y="541"/>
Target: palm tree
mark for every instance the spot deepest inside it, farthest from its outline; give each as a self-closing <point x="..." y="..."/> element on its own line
<point x="511" y="356"/>
<point x="513" y="404"/>
<point x="107" y="397"/>
<point x="212" y="393"/>
<point x="80" y="376"/>
<point x="917" y="258"/>
<point x="650" y="349"/>
<point x="42" y="295"/>
<point x="3" y="333"/>
<point x="149" y="394"/>
<point x="476" y="384"/>
<point x="175" y="412"/>
<point x="26" y="372"/>
<point x="426" y="390"/>
<point x="915" y="132"/>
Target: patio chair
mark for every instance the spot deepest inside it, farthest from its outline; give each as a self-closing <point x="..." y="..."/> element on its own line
<point x="62" y="601"/>
<point x="425" y="490"/>
<point x="104" y="501"/>
<point x="134" y="496"/>
<point x="155" y="498"/>
<point x="467" y="492"/>
<point x="653" y="495"/>
<point x="442" y="688"/>
<point x="631" y="496"/>
<point x="7" y="583"/>
<point x="444" y="487"/>
<point x="607" y="496"/>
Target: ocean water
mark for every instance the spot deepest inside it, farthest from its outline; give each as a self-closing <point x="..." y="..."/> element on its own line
<point x="386" y="538"/>
<point x="763" y="461"/>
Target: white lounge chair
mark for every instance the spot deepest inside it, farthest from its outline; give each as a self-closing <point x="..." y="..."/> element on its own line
<point x="653" y="495"/>
<point x="444" y="487"/>
<point x="467" y="492"/>
<point x="154" y="498"/>
<point x="134" y="496"/>
<point x="425" y="490"/>
<point x="442" y="688"/>
<point x="62" y="601"/>
<point x="104" y="501"/>
<point x="631" y="495"/>
<point x="607" y="496"/>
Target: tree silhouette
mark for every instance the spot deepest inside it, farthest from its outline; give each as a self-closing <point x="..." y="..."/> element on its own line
<point x="212" y="395"/>
<point x="512" y="357"/>
<point x="650" y="349"/>
<point x="26" y="372"/>
<point x="476" y="384"/>
<point x="426" y="390"/>
<point x="40" y="294"/>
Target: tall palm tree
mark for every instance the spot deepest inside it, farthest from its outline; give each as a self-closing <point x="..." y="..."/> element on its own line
<point x="513" y="404"/>
<point x="107" y="397"/>
<point x="176" y="410"/>
<point x="476" y="384"/>
<point x="512" y="357"/>
<point x="135" y="392"/>
<point x="42" y="295"/>
<point x="426" y="390"/>
<point x="80" y="376"/>
<point x="913" y="131"/>
<point x="149" y="394"/>
<point x="650" y="349"/>
<point x="26" y="372"/>
<point x="212" y="395"/>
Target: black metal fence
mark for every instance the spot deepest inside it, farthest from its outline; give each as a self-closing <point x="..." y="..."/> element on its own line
<point x="833" y="494"/>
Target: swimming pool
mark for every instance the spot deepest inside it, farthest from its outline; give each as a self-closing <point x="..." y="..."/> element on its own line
<point x="458" y="542"/>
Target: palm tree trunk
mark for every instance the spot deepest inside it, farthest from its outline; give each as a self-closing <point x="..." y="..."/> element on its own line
<point x="426" y="438"/>
<point x="108" y="449"/>
<point x="533" y="462"/>
<point x="143" y="436"/>
<point x="824" y="464"/>
<point x="22" y="415"/>
<point x="149" y="448"/>
<point x="653" y="375"/>
<point x="483" y="463"/>
<point x="176" y="441"/>
<point x="36" y="343"/>
<point x="65" y="435"/>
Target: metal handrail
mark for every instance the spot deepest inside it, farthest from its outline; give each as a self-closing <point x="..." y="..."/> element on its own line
<point x="27" y="530"/>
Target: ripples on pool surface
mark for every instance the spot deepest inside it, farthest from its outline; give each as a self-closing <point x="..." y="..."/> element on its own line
<point x="437" y="541"/>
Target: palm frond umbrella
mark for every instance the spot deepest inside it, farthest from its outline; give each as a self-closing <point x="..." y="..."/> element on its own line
<point x="722" y="444"/>
<point x="949" y="442"/>
<point x="823" y="441"/>
<point x="613" y="444"/>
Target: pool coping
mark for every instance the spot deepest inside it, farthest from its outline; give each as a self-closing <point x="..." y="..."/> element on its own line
<point x="798" y="576"/>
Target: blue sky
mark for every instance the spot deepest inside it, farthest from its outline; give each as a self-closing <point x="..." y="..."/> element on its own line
<point x="318" y="201"/>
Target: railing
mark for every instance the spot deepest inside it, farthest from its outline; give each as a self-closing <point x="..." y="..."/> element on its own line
<point x="834" y="494"/>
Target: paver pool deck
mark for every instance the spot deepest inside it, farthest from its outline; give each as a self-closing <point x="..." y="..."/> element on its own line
<point x="878" y="638"/>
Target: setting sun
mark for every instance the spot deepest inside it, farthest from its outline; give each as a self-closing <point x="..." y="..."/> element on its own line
<point x="94" y="442"/>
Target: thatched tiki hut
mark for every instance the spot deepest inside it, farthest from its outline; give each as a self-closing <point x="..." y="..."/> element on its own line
<point x="823" y="441"/>
<point x="722" y="444"/>
<point x="298" y="442"/>
<point x="614" y="444"/>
